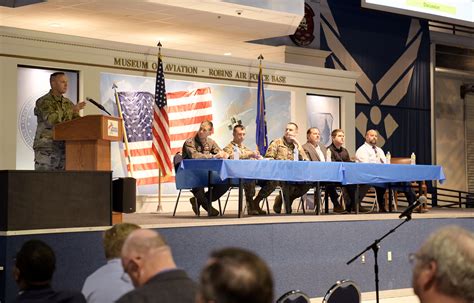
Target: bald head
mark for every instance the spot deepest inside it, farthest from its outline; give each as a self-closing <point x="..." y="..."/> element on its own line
<point x="143" y="241"/>
<point x="144" y="254"/>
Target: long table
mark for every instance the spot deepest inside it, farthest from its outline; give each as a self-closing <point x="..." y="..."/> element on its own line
<point x="203" y="172"/>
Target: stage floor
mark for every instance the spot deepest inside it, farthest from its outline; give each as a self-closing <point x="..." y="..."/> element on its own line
<point x="187" y="219"/>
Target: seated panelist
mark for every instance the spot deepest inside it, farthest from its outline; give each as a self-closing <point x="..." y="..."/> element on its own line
<point x="316" y="151"/>
<point x="285" y="148"/>
<point x="202" y="147"/>
<point x="244" y="153"/>
<point x="369" y="152"/>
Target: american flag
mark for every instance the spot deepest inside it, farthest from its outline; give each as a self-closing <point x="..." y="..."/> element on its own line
<point x="186" y="111"/>
<point x="161" y="138"/>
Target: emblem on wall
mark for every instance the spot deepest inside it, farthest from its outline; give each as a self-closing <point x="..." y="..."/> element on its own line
<point x="304" y="34"/>
<point x="389" y="89"/>
<point x="27" y="122"/>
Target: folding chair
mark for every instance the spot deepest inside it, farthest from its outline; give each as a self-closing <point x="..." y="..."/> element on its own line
<point x="294" y="296"/>
<point x="344" y="291"/>
<point x="264" y="201"/>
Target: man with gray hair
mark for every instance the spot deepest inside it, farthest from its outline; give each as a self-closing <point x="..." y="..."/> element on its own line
<point x="147" y="259"/>
<point x="108" y="283"/>
<point x="444" y="267"/>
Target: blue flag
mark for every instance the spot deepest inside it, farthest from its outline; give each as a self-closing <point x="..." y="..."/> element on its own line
<point x="261" y="123"/>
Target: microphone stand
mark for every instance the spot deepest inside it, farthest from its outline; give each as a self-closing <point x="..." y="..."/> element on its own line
<point x="375" y="248"/>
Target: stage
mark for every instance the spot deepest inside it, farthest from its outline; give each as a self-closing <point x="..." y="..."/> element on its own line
<point x="189" y="219"/>
<point x="306" y="252"/>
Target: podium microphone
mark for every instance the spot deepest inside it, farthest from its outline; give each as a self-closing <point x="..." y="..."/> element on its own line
<point x="407" y="212"/>
<point x="98" y="105"/>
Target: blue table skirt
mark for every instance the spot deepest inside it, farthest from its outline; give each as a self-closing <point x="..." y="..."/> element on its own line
<point x="371" y="173"/>
<point x="194" y="173"/>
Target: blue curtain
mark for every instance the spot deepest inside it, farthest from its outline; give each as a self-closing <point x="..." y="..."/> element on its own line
<point x="392" y="52"/>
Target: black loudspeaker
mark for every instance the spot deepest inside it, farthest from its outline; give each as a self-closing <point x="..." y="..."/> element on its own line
<point x="124" y="195"/>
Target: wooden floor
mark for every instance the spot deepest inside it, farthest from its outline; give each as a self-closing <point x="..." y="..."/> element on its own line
<point x="185" y="219"/>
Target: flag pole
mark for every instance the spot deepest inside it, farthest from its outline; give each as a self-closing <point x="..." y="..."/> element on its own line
<point x="261" y="130"/>
<point x="125" y="137"/>
<point x="159" y="207"/>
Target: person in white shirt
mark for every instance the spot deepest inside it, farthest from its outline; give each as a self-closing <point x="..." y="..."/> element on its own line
<point x="369" y="152"/>
<point x="109" y="282"/>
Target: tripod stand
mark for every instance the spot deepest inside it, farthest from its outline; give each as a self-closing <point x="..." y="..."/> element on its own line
<point x="375" y="248"/>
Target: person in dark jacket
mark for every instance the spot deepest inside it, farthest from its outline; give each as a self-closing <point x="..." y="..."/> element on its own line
<point x="33" y="271"/>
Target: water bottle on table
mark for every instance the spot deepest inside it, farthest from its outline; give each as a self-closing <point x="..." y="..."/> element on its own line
<point x="413" y="159"/>
<point x="236" y="152"/>
<point x="295" y="154"/>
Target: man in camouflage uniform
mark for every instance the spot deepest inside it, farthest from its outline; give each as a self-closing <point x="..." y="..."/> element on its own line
<point x="283" y="149"/>
<point x="202" y="147"/>
<point x="51" y="109"/>
<point x="244" y="154"/>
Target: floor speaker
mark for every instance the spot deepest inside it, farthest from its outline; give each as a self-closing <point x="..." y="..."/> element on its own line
<point x="124" y="195"/>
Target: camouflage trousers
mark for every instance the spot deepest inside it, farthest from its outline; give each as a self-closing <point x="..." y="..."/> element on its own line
<point x="50" y="158"/>
<point x="290" y="191"/>
<point x="249" y="190"/>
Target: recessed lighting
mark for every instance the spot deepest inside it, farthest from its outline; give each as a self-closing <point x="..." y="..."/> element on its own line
<point x="227" y="54"/>
<point x="55" y="25"/>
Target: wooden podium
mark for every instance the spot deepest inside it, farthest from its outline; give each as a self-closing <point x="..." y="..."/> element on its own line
<point x="88" y="144"/>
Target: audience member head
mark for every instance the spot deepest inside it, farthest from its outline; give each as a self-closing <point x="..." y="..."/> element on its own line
<point x="371" y="137"/>
<point x="337" y="136"/>
<point x="234" y="275"/>
<point x="58" y="82"/>
<point x="205" y="130"/>
<point x="34" y="264"/>
<point x="444" y="267"/>
<point x="313" y="135"/>
<point x="144" y="254"/>
<point x="238" y="134"/>
<point x="291" y="131"/>
<point x="114" y="238"/>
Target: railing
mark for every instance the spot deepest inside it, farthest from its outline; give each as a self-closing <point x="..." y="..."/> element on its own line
<point x="445" y="197"/>
<point x="451" y="197"/>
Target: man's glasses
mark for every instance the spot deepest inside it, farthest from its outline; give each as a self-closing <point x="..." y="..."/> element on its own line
<point x="413" y="257"/>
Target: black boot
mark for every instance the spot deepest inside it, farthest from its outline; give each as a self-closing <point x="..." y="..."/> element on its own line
<point x="277" y="204"/>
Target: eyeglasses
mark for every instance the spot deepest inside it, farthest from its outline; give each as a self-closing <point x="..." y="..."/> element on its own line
<point x="413" y="257"/>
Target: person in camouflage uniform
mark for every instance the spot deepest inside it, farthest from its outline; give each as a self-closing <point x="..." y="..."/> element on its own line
<point x="244" y="154"/>
<point x="51" y="109"/>
<point x="202" y="147"/>
<point x="283" y="149"/>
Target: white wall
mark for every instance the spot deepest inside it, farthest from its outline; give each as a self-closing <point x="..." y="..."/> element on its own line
<point x="450" y="139"/>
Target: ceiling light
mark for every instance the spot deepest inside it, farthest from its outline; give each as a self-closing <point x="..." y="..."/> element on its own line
<point x="56" y="25"/>
<point x="227" y="54"/>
